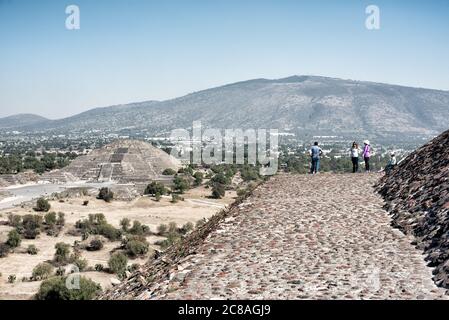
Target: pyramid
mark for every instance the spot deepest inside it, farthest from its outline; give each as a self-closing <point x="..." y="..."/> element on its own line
<point x="123" y="161"/>
<point x="417" y="195"/>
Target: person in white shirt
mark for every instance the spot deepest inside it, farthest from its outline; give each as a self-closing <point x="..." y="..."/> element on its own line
<point x="355" y="157"/>
<point x="391" y="164"/>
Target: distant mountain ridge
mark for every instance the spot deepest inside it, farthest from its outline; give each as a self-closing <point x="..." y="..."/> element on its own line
<point x="22" y="120"/>
<point x="300" y="104"/>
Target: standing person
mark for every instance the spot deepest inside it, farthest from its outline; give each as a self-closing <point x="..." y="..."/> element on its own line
<point x="366" y="154"/>
<point x="355" y="157"/>
<point x="315" y="154"/>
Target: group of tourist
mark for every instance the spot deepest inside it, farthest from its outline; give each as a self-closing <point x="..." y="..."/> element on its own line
<point x="316" y="152"/>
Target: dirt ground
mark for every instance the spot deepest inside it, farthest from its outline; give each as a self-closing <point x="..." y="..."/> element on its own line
<point x="196" y="206"/>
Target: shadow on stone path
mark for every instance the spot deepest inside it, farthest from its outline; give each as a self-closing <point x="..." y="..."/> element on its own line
<point x="306" y="237"/>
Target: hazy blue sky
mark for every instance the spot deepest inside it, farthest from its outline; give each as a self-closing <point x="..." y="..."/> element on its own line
<point x="138" y="50"/>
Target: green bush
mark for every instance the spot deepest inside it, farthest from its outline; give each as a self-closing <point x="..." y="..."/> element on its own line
<point x="136" y="246"/>
<point x="31" y="226"/>
<point x="61" y="219"/>
<point x="198" y="178"/>
<point x="125" y="223"/>
<point x="14" y="239"/>
<point x="42" y="271"/>
<point x="105" y="194"/>
<point x="218" y="191"/>
<point x="4" y="250"/>
<point x="62" y="253"/>
<point x="42" y="205"/>
<point x="108" y="231"/>
<point x="81" y="264"/>
<point x="117" y="264"/>
<point x="180" y="184"/>
<point x="56" y="289"/>
<point x="95" y="245"/>
<point x="32" y="249"/>
<point x="139" y="229"/>
<point x="162" y="229"/>
<point x="155" y="188"/>
<point x="169" y="172"/>
<point x="15" y="221"/>
<point x="50" y="218"/>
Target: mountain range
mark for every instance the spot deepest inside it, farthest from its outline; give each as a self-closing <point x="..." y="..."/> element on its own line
<point x="298" y="104"/>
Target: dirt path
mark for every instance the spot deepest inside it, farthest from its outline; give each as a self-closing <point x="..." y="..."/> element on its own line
<point x="307" y="237"/>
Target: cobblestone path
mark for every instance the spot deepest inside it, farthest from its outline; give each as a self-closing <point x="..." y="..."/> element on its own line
<point x="307" y="237"/>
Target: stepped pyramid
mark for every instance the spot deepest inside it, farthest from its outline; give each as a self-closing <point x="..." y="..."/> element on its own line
<point x="123" y="161"/>
<point x="417" y="195"/>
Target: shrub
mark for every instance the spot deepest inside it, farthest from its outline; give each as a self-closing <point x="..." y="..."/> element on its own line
<point x="12" y="278"/>
<point x="117" y="264"/>
<point x="62" y="253"/>
<point x="108" y="231"/>
<point x="31" y="226"/>
<point x="241" y="192"/>
<point x="4" y="250"/>
<point x="61" y="219"/>
<point x="99" y="267"/>
<point x="50" y="218"/>
<point x="42" y="205"/>
<point x="138" y="228"/>
<point x="15" y="220"/>
<point x="136" y="246"/>
<point x="218" y="191"/>
<point x="155" y="187"/>
<point x="172" y="227"/>
<point x="198" y="178"/>
<point x="169" y="172"/>
<point x="14" y="239"/>
<point x="187" y="227"/>
<point x="95" y="245"/>
<point x="81" y="264"/>
<point x="42" y="271"/>
<point x="200" y="223"/>
<point x="175" y="198"/>
<point x="32" y="249"/>
<point x="158" y="197"/>
<point x="56" y="289"/>
<point x="105" y="194"/>
<point x="180" y="184"/>
<point x="162" y="229"/>
<point x="125" y="224"/>
<point x="85" y="203"/>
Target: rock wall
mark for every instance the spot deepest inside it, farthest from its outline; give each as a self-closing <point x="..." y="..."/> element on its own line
<point x="417" y="195"/>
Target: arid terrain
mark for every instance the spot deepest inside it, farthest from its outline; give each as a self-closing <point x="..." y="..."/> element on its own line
<point x="196" y="206"/>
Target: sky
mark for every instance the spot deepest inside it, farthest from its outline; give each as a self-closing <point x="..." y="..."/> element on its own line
<point x="138" y="50"/>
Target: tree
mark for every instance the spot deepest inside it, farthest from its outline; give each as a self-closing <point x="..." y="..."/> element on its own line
<point x="31" y="226"/>
<point x="117" y="264"/>
<point x="180" y="184"/>
<point x="56" y="289"/>
<point x="155" y="188"/>
<point x="125" y="224"/>
<point x="50" y="219"/>
<point x="218" y="191"/>
<point x="105" y="194"/>
<point x="198" y="178"/>
<point x="42" y="271"/>
<point x="14" y="239"/>
<point x="62" y="253"/>
<point x="42" y="205"/>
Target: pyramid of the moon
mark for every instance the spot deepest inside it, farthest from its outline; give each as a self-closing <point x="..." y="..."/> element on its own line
<point x="123" y="161"/>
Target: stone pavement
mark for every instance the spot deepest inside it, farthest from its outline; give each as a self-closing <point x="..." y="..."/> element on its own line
<point x="305" y="237"/>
